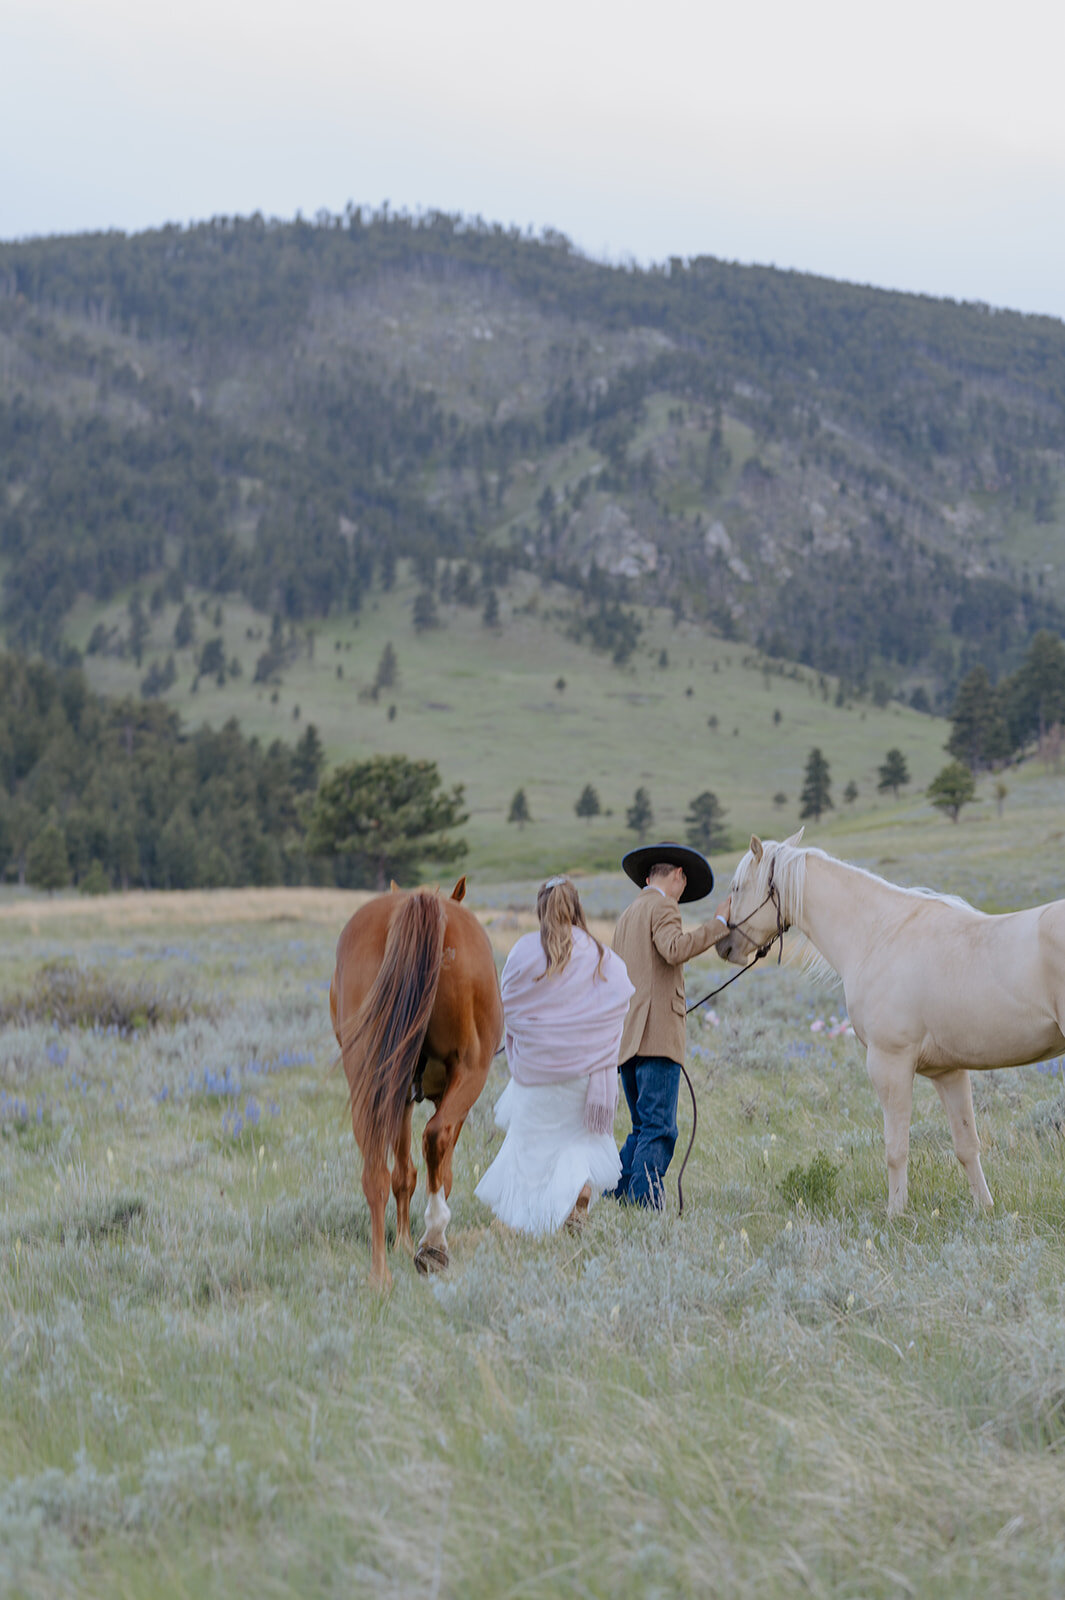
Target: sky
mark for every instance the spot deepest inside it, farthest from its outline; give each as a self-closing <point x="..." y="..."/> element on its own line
<point x="917" y="146"/>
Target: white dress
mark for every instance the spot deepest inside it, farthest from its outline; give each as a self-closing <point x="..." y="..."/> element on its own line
<point x="561" y="1035"/>
<point x="547" y="1157"/>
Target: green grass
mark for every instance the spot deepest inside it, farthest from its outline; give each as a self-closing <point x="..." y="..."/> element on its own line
<point x="483" y="704"/>
<point x="203" y="1397"/>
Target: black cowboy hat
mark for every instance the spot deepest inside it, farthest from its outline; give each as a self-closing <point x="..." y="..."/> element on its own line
<point x="638" y="863"/>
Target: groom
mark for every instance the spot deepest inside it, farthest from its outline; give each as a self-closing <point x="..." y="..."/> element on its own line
<point x="652" y="943"/>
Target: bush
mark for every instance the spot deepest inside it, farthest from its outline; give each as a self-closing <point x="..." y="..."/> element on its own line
<point x="814" y="1186"/>
<point x="70" y="996"/>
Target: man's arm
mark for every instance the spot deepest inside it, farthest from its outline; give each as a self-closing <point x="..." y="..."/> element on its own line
<point x="670" y="939"/>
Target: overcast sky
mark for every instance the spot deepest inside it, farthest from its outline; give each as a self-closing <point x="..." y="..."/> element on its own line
<point x="917" y="146"/>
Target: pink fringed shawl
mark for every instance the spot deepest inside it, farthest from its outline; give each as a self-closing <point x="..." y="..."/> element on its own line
<point x="568" y="1025"/>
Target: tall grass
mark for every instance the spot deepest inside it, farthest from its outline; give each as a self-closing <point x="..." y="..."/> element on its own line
<point x="778" y="1393"/>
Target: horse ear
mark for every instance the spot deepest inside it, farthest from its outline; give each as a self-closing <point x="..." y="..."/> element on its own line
<point x="796" y="836"/>
<point x="459" y="891"/>
<point x="395" y="887"/>
<point x="756" y="847"/>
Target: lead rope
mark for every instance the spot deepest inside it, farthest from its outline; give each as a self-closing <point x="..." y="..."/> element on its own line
<point x="778" y="937"/>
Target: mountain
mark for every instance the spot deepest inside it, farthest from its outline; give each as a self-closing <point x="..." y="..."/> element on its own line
<point x="865" y="482"/>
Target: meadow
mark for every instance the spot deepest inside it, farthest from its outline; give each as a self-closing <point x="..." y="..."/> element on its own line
<point x="776" y="1393"/>
<point x="526" y="706"/>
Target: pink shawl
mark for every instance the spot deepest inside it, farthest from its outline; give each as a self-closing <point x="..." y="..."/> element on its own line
<point x="568" y="1025"/>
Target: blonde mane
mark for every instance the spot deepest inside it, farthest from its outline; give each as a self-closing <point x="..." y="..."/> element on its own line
<point x="787" y="861"/>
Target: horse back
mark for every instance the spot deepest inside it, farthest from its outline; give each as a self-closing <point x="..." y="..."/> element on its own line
<point x="467" y="1000"/>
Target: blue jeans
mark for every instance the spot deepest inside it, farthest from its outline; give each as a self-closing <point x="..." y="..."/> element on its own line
<point x="651" y="1084"/>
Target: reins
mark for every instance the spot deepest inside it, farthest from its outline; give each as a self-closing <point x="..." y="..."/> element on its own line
<point x="773" y="895"/>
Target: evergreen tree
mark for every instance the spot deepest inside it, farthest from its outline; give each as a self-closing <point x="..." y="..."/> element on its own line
<point x="139" y="627"/>
<point x="490" y="614"/>
<point x="387" y="670"/>
<point x="894" y="772"/>
<point x="308" y="759"/>
<point x="47" y="864"/>
<point x="952" y="788"/>
<point x="587" y="803"/>
<point x="185" y="627"/>
<point x="705" y="823"/>
<point x="424" y="613"/>
<point x="519" y="809"/>
<point x="979" y="732"/>
<point x="95" y="880"/>
<point x="377" y="819"/>
<point x="640" y="816"/>
<point x="1035" y="695"/>
<point x="815" y="797"/>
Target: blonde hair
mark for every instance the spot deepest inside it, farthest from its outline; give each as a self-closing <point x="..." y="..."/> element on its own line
<point x="558" y="907"/>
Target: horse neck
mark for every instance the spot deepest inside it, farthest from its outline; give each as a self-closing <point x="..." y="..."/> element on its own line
<point x="828" y="917"/>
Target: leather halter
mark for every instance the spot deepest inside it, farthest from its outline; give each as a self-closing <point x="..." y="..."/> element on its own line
<point x="772" y="894"/>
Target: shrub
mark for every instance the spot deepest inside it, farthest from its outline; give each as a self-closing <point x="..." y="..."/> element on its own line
<point x="814" y="1185"/>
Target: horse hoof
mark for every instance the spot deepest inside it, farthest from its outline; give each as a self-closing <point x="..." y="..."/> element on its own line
<point x="431" y="1258"/>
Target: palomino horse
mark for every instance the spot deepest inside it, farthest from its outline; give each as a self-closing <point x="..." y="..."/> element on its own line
<point x="932" y="986"/>
<point x="417" y="1014"/>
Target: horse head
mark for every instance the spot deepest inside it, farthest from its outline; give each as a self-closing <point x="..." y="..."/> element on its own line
<point x="754" y="912"/>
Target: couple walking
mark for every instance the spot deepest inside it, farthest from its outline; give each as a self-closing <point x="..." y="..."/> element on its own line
<point x="573" y="1011"/>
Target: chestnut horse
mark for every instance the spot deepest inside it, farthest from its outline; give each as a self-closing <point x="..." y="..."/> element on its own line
<point x="416" y="1011"/>
<point x="932" y="985"/>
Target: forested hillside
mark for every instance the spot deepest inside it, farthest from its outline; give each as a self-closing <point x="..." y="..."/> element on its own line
<point x="867" y="482"/>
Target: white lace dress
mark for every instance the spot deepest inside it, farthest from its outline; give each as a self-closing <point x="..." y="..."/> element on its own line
<point x="547" y="1157"/>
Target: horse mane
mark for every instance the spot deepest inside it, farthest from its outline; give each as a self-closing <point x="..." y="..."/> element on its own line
<point x="787" y="862"/>
<point x="389" y="1028"/>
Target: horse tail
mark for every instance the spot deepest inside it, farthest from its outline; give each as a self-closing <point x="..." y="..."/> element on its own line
<point x="382" y="1051"/>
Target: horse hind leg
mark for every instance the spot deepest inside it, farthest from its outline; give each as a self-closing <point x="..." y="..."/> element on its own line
<point x="404" y="1180"/>
<point x="438" y="1144"/>
<point x="892" y="1077"/>
<point x="956" y="1092"/>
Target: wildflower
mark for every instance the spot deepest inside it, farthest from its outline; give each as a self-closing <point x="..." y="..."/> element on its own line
<point x="869" y="1246"/>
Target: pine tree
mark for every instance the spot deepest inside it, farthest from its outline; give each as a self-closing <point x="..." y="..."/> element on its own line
<point x="705" y="823"/>
<point x="952" y="788"/>
<point x="640" y="816"/>
<point x="519" y="809"/>
<point x="815" y="797"/>
<point x="587" y="803"/>
<point x="47" y="864"/>
<point x="894" y="772"/>
<point x="979" y="733"/>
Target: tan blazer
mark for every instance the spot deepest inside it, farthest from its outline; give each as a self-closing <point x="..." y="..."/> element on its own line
<point x="651" y="941"/>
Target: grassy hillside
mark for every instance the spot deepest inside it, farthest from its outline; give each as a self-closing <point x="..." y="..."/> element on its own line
<point x="485" y="704"/>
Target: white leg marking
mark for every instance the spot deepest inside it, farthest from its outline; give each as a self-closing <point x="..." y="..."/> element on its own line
<point x="437" y="1217"/>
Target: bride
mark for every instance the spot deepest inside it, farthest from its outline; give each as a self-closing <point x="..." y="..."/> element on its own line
<point x="565" y="996"/>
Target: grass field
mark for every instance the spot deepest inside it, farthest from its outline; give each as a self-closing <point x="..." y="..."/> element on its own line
<point x="483" y="703"/>
<point x="778" y="1393"/>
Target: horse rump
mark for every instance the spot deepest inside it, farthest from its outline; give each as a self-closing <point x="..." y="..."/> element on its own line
<point x="381" y="1053"/>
